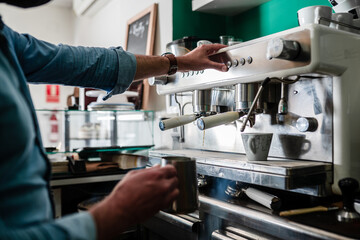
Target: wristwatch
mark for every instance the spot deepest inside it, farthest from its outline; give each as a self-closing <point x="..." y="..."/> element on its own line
<point x="173" y="63"/>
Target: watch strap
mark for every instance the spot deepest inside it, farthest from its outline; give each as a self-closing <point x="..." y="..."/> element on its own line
<point x="173" y="63"/>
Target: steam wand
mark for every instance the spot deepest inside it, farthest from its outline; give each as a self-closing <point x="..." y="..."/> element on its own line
<point x="258" y="94"/>
<point x="282" y="107"/>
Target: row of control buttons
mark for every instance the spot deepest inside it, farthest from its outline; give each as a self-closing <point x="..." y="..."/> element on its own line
<point x="241" y="62"/>
<point x="191" y="73"/>
<point x="229" y="64"/>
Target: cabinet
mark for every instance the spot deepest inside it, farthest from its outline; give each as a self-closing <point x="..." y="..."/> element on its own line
<point x="225" y="7"/>
<point x="67" y="130"/>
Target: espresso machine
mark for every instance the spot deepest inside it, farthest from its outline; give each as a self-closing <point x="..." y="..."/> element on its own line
<point x="303" y="86"/>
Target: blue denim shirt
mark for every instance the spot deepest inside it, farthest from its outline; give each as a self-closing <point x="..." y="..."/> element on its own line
<point x="25" y="205"/>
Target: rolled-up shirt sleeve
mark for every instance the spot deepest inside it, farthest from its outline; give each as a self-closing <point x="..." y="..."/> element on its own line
<point x="80" y="226"/>
<point x="110" y="69"/>
<point x="123" y="83"/>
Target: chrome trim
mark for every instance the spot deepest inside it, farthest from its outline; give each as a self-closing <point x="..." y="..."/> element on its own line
<point x="270" y="224"/>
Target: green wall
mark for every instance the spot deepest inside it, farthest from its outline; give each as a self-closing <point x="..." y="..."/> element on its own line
<point x="268" y="18"/>
<point x="189" y="23"/>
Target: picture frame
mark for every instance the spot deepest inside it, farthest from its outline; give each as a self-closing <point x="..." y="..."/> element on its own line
<point x="140" y="39"/>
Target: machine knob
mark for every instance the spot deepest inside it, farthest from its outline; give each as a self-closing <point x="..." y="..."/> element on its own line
<point x="306" y="124"/>
<point x="229" y="64"/>
<point x="161" y="80"/>
<point x="283" y="49"/>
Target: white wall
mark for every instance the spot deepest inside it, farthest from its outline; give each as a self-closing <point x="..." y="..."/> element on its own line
<point x="49" y="23"/>
<point x="108" y="28"/>
<point x="105" y="29"/>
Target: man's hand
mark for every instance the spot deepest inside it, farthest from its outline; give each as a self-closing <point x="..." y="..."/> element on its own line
<point x="138" y="196"/>
<point x="198" y="59"/>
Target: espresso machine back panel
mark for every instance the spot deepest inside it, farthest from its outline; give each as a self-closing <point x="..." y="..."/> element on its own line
<point x="308" y="101"/>
<point x="302" y="85"/>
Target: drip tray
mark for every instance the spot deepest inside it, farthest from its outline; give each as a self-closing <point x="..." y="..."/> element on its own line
<point x="307" y="177"/>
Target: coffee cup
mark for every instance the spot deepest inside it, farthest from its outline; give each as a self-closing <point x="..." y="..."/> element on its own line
<point x="257" y="145"/>
<point x="188" y="199"/>
<point x="315" y="14"/>
<point x="346" y="18"/>
<point x="346" y="6"/>
<point x="294" y="145"/>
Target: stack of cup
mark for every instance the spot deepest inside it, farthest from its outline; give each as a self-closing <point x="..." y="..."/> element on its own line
<point x="315" y="14"/>
<point x="343" y="17"/>
<point x="346" y="16"/>
<point x="349" y="6"/>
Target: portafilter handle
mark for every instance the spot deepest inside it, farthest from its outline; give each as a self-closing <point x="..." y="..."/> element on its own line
<point x="218" y="119"/>
<point x="177" y="121"/>
<point x="266" y="199"/>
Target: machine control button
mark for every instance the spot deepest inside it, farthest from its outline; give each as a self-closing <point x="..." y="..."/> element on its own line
<point x="304" y="124"/>
<point x="242" y="61"/>
<point x="235" y="62"/>
<point x="249" y="60"/>
<point x="229" y="64"/>
<point x="282" y="49"/>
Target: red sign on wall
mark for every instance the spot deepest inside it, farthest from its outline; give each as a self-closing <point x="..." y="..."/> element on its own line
<point x="52" y="93"/>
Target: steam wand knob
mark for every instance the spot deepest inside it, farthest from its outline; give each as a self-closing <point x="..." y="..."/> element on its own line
<point x="282" y="107"/>
<point x="348" y="187"/>
<point x="283" y="49"/>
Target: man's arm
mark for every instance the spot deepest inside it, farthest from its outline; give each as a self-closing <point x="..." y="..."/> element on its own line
<point x="108" y="69"/>
<point x="138" y="196"/>
<point x="198" y="59"/>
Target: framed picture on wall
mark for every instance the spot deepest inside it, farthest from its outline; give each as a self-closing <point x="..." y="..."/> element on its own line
<point x="140" y="37"/>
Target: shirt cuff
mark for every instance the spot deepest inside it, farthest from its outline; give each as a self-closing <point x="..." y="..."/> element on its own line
<point x="79" y="225"/>
<point x="126" y="73"/>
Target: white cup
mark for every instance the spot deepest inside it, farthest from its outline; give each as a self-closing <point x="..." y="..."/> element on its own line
<point x="345" y="17"/>
<point x="346" y="5"/>
<point x="257" y="145"/>
<point x="314" y="14"/>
